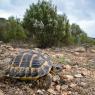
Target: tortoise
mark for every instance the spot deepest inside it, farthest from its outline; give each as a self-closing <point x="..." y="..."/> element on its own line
<point x="32" y="65"/>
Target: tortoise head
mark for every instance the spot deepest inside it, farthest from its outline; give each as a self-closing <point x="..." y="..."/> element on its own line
<point x="57" y="68"/>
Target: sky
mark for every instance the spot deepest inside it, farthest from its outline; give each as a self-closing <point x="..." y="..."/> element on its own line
<point x="80" y="12"/>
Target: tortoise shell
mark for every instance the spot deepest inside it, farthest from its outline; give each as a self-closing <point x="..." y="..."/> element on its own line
<point x="29" y="65"/>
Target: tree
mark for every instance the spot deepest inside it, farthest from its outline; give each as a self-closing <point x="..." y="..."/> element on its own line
<point x="4" y="26"/>
<point x="41" y="21"/>
<point x="78" y="34"/>
<point x="16" y="31"/>
<point x="47" y="28"/>
<point x="67" y="37"/>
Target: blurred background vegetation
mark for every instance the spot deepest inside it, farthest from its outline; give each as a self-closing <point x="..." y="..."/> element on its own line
<point x="42" y="26"/>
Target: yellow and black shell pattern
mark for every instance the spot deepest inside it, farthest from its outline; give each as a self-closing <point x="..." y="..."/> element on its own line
<point x="29" y="65"/>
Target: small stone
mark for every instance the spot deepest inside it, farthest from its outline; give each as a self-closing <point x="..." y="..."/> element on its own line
<point x="11" y="48"/>
<point x="67" y="60"/>
<point x="67" y="67"/>
<point x="92" y="50"/>
<point x="30" y="84"/>
<point x="69" y="93"/>
<point x="75" y="93"/>
<point x="80" y="49"/>
<point x="68" y="77"/>
<point x="58" y="87"/>
<point x="64" y="87"/>
<point x="52" y="91"/>
<point x="18" y="91"/>
<point x="30" y="91"/>
<point x="1" y="92"/>
<point x="7" y="60"/>
<point x="40" y="92"/>
<point x="56" y="78"/>
<point x="78" y="76"/>
<point x="72" y="85"/>
<point x="53" y="83"/>
<point x="59" y="55"/>
<point x="0" y="50"/>
<point x="76" y="53"/>
<point x="64" y="93"/>
<point x="91" y="60"/>
<point x="72" y="51"/>
<point x="83" y="84"/>
<point x="85" y="72"/>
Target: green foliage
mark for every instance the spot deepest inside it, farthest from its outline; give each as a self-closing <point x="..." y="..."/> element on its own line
<point x="79" y="36"/>
<point x="90" y="41"/>
<point x="41" y="22"/>
<point x="47" y="28"/>
<point x="16" y="31"/>
<point x="11" y="29"/>
<point x="3" y="29"/>
<point x="44" y="27"/>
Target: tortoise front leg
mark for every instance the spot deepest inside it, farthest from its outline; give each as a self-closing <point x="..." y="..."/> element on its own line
<point x="45" y="81"/>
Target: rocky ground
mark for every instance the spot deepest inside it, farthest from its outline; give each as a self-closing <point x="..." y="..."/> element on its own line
<point x="76" y="78"/>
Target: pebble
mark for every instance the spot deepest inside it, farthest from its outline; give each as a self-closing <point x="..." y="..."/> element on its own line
<point x="92" y="50"/>
<point x="58" y="87"/>
<point x="78" y="76"/>
<point x="68" y="77"/>
<point x="56" y="78"/>
<point x="67" y="60"/>
<point x="67" y="67"/>
<point x="76" y="53"/>
<point x="64" y="87"/>
<point x="83" y="84"/>
<point x="66" y="93"/>
<point x="73" y="85"/>
<point x="52" y="91"/>
<point x="40" y="92"/>
<point x="85" y="72"/>
<point x="53" y="83"/>
<point x="80" y="49"/>
<point x="1" y="92"/>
